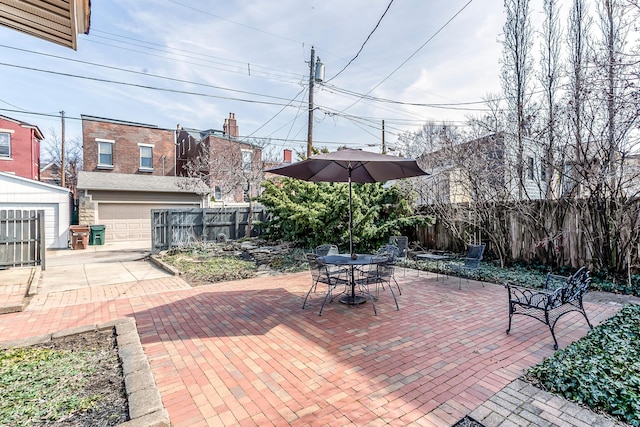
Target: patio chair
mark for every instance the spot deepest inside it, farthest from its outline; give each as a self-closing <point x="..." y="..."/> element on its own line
<point x="402" y="243"/>
<point x="320" y="273"/>
<point x="379" y="273"/>
<point x="391" y="251"/>
<point x="471" y="262"/>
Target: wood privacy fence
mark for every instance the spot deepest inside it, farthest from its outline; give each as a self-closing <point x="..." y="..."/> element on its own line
<point x="22" y="240"/>
<point x="510" y="234"/>
<point x="177" y="227"/>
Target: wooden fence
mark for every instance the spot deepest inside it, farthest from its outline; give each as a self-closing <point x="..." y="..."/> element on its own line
<point x="568" y="244"/>
<point x="178" y="227"/>
<point x="22" y="240"/>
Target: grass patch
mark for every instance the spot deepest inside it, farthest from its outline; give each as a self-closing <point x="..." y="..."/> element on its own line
<point x="206" y="268"/>
<point x="601" y="370"/>
<point x="42" y="386"/>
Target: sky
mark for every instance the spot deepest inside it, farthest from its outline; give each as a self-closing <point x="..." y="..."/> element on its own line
<point x="170" y="62"/>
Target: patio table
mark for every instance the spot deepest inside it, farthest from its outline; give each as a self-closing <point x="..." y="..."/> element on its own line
<point x="438" y="258"/>
<point x="345" y="259"/>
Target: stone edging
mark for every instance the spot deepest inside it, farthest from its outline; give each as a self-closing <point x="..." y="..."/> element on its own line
<point x="145" y="404"/>
<point x="166" y="267"/>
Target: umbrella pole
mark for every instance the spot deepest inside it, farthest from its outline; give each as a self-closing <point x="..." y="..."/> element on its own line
<point x="350" y="217"/>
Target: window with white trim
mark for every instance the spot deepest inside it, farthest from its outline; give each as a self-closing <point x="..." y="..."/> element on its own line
<point x="5" y="144"/>
<point x="146" y="157"/>
<point x="247" y="157"/>
<point x="105" y="153"/>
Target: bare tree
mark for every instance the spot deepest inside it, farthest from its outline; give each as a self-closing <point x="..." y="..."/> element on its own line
<point x="73" y="157"/>
<point x="516" y="71"/>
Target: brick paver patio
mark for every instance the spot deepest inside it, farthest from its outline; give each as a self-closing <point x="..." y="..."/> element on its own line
<point x="245" y="353"/>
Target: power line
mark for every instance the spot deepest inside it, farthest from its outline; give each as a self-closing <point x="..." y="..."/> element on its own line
<point x="364" y="43"/>
<point x="110" y="67"/>
<point x="416" y="51"/>
<point x="200" y="56"/>
<point x="184" y="92"/>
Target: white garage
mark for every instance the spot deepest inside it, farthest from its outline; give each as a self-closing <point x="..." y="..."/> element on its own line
<point x="123" y="202"/>
<point x="17" y="193"/>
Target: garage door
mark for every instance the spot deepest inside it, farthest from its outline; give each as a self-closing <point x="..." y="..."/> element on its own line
<point x="124" y="222"/>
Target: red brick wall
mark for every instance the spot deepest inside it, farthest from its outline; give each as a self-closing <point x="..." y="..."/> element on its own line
<point x="25" y="151"/>
<point x="126" y="152"/>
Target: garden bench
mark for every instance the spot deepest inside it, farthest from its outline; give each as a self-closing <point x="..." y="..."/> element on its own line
<point x="560" y="295"/>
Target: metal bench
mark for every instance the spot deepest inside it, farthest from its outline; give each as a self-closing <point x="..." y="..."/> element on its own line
<point x="560" y="295"/>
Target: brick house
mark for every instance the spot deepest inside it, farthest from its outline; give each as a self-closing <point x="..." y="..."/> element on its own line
<point x="126" y="147"/>
<point x="232" y="168"/>
<point x="20" y="148"/>
<point x="128" y="170"/>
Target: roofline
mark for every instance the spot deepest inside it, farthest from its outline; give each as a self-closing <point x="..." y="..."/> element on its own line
<point x="33" y="181"/>
<point x="39" y="134"/>
<point x="120" y="122"/>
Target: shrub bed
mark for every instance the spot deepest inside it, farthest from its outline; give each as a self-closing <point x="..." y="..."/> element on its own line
<point x="601" y="370"/>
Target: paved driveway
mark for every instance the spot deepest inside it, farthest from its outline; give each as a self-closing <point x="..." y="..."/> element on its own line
<point x="99" y="265"/>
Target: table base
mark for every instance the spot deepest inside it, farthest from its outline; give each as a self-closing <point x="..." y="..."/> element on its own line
<point x="353" y="300"/>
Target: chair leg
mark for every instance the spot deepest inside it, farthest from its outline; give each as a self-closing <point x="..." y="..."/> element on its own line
<point x="366" y="288"/>
<point x="397" y="285"/>
<point x="305" y="298"/>
<point x="325" y="299"/>
<point x="394" y="295"/>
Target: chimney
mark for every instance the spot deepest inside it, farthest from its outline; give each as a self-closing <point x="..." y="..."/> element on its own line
<point x="287" y="156"/>
<point x="230" y="127"/>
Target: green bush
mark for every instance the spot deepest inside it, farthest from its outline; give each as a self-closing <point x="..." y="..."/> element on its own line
<point x="601" y="370"/>
<point x="311" y="214"/>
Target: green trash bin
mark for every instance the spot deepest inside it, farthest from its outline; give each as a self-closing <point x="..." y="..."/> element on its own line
<point x="97" y="235"/>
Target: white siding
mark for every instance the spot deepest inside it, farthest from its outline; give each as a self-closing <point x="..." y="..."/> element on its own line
<point x="25" y="194"/>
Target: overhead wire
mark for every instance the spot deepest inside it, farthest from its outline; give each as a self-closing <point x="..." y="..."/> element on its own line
<point x="415" y="52"/>
<point x="184" y="92"/>
<point x="364" y="43"/>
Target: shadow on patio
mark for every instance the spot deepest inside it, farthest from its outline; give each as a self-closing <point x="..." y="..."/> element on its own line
<point x="245" y="352"/>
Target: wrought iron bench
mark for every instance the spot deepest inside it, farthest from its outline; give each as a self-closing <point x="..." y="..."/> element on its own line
<point x="560" y="295"/>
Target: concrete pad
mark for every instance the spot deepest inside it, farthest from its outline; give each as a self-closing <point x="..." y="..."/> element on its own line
<point x="96" y="266"/>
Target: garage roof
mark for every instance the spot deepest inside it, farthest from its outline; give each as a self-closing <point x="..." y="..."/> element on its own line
<point x="57" y="21"/>
<point x="145" y="183"/>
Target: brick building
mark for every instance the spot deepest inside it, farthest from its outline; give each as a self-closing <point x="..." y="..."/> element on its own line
<point x="232" y="168"/>
<point x="20" y="148"/>
<point x="126" y="147"/>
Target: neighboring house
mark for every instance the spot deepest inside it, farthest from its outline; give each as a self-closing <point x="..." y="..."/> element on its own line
<point x="481" y="169"/>
<point x="123" y="202"/>
<point x="17" y="193"/>
<point x="50" y="174"/>
<point x="124" y="147"/>
<point x="232" y="168"/>
<point x="20" y="148"/>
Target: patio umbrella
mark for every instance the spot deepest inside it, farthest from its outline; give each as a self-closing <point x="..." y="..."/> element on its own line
<point x="349" y="165"/>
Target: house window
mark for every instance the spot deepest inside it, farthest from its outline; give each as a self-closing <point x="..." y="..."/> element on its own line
<point x="5" y="144"/>
<point x="568" y="179"/>
<point x="146" y="157"/>
<point x="543" y="172"/>
<point x="217" y="192"/>
<point x="530" y="170"/>
<point x="246" y="160"/>
<point x="105" y="153"/>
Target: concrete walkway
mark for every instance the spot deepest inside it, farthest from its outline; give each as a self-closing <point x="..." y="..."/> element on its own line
<point x="245" y="353"/>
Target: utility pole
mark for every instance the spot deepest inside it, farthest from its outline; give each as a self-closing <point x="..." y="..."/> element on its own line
<point x="384" y="147"/>
<point x="310" y="125"/>
<point x="62" y="160"/>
